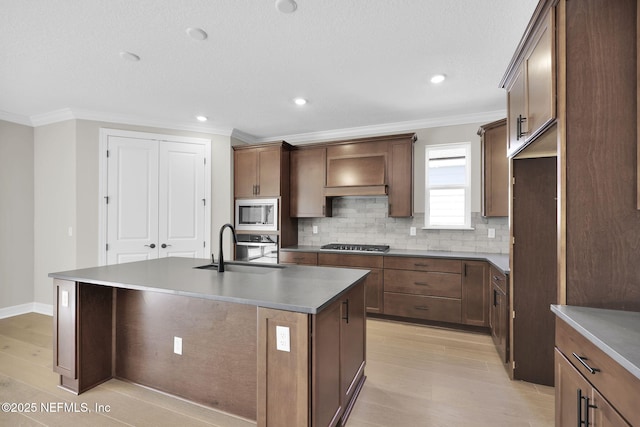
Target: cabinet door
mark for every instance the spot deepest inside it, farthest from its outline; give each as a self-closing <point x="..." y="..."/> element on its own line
<point x="327" y="390"/>
<point x="603" y="414"/>
<point x="374" y="291"/>
<point x="475" y="293"/>
<point x="498" y="319"/>
<point x="307" y="182"/>
<point x="571" y="389"/>
<point x="245" y="168"/>
<point x="540" y="66"/>
<point x="516" y="107"/>
<point x="495" y="174"/>
<point x="268" y="183"/>
<point x="352" y="345"/>
<point x="401" y="178"/>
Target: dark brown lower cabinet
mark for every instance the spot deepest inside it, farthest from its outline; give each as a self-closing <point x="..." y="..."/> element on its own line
<point x="373" y="282"/>
<point x="336" y="363"/>
<point x="231" y="360"/>
<point x="475" y="293"/>
<point x="82" y="330"/>
<point x="499" y="312"/>
<point x="578" y="402"/>
<point x="592" y="389"/>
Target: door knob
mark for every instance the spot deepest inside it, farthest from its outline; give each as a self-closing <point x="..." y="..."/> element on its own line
<point x="164" y="245"/>
<point x="153" y="245"/>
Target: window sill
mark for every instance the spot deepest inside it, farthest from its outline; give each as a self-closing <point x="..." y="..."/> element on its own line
<point x="444" y="227"/>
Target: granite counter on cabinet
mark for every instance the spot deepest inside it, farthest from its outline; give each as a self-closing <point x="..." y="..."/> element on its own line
<point x="500" y="261"/>
<point x="293" y="288"/>
<point x="238" y="341"/>
<point x="615" y="332"/>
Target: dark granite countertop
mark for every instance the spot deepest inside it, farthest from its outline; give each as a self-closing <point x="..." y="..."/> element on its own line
<point x="615" y="332"/>
<point x="500" y="261"/>
<point x="293" y="288"/>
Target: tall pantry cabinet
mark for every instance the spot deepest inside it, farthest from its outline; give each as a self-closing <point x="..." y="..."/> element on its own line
<point x="572" y="99"/>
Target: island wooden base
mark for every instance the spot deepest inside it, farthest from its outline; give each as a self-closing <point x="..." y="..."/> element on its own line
<point x="230" y="358"/>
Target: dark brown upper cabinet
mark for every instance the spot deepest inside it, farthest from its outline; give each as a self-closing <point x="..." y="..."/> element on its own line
<point x="307" y="178"/>
<point x="258" y="170"/>
<point x="531" y="86"/>
<point x="378" y="166"/>
<point x="495" y="169"/>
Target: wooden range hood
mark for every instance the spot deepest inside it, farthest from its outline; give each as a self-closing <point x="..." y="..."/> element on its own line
<point x="356" y="175"/>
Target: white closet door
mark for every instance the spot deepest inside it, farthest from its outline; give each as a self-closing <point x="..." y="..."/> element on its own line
<point x="132" y="208"/>
<point x="182" y="200"/>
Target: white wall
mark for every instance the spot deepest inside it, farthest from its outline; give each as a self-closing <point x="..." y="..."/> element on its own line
<point x="67" y="194"/>
<point x="446" y="135"/>
<point x="16" y="214"/>
<point x="54" y="204"/>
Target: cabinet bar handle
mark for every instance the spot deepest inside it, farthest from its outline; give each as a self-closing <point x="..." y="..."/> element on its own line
<point x="582" y="359"/>
<point x="496" y="278"/>
<point x="579" y="406"/>
<point x="417" y="264"/>
<point x="346" y="317"/>
<point x="421" y="307"/>
<point x="421" y="283"/>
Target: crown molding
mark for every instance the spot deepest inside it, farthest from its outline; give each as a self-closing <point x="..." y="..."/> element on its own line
<point x="245" y="137"/>
<point x="56" y="116"/>
<point x="386" y="128"/>
<point x="15" y="118"/>
<point x="98" y="116"/>
<point x="300" y="138"/>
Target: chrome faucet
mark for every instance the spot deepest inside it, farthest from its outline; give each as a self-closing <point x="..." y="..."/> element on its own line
<point x="220" y="256"/>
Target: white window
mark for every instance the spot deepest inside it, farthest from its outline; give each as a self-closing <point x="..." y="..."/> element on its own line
<point x="448" y="186"/>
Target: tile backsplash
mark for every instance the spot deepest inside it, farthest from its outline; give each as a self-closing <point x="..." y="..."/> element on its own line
<point x="365" y="220"/>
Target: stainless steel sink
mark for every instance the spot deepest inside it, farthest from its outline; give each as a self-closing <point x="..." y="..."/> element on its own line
<point x="232" y="267"/>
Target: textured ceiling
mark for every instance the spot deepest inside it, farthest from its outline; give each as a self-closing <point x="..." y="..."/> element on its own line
<point x="360" y="63"/>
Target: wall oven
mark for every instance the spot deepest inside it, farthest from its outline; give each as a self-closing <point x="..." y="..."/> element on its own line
<point x="257" y="214"/>
<point x="261" y="248"/>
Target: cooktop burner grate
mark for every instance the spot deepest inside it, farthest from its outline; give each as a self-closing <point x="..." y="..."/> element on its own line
<point x="355" y="247"/>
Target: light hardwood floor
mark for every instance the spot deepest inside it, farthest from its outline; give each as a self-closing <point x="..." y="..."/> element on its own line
<point x="416" y="376"/>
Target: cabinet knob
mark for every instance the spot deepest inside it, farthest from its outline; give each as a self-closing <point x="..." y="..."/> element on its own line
<point x="153" y="245"/>
<point x="164" y="245"/>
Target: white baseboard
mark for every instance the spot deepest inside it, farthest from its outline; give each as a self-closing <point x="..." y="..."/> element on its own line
<point x="31" y="307"/>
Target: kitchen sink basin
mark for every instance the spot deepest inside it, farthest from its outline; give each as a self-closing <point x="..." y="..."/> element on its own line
<point x="243" y="268"/>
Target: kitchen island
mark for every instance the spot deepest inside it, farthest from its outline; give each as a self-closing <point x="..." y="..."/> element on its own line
<point x="279" y="345"/>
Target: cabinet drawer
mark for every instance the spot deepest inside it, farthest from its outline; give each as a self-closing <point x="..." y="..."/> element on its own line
<point x="611" y="379"/>
<point x="422" y="307"/>
<point x="498" y="278"/>
<point x="306" y="258"/>
<point x="342" y="260"/>
<point x="423" y="264"/>
<point x="423" y="283"/>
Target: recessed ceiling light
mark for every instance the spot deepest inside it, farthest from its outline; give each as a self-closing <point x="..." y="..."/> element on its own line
<point x="438" y="78"/>
<point x="300" y="101"/>
<point x="286" y="6"/>
<point x="202" y="118"/>
<point x="197" y="33"/>
<point x="128" y="56"/>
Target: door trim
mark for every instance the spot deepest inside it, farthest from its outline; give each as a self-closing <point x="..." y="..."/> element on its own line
<point x="105" y="133"/>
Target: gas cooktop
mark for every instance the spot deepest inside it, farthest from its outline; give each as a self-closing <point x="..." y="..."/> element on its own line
<point x="355" y="248"/>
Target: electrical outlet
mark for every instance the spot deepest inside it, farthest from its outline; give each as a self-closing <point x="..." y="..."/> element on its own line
<point x="282" y="338"/>
<point x="315" y="229"/>
<point x="491" y="233"/>
<point x="412" y="231"/>
<point x="177" y="345"/>
<point x="65" y="299"/>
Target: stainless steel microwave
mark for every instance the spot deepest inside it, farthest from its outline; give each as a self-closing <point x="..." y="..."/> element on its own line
<point x="257" y="214"/>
